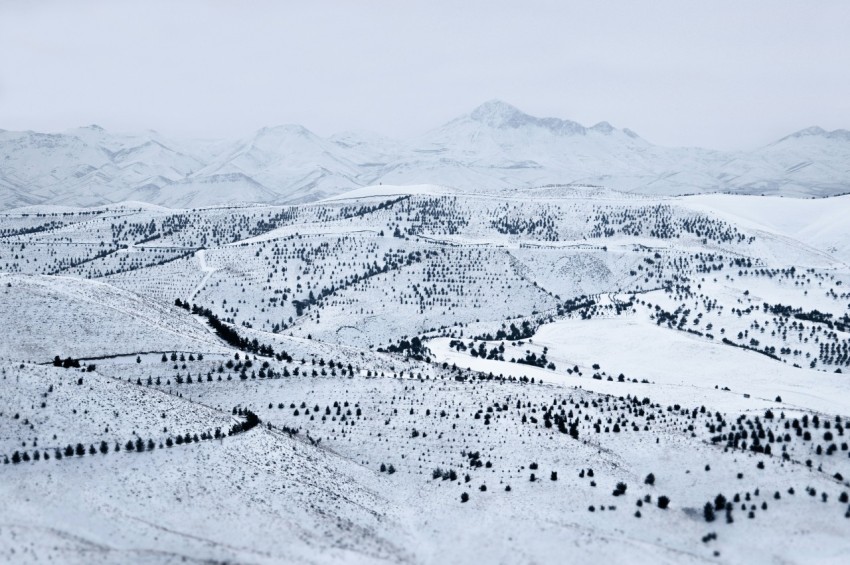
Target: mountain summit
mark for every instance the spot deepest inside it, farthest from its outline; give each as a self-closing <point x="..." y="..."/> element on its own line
<point x="501" y="115"/>
<point x="816" y="131"/>
<point x="498" y="114"/>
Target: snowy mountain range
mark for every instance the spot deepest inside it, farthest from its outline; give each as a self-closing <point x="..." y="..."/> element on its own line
<point x="495" y="146"/>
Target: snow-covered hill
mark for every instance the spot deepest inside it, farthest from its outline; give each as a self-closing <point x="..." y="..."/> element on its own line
<point x="495" y="145"/>
<point x="48" y="316"/>
<point x="426" y="374"/>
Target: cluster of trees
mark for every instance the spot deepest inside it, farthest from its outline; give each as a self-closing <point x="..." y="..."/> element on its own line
<point x="230" y="335"/>
<point x="444" y="474"/>
<point x="71" y="363"/>
<point x="722" y="504"/>
<point x="138" y="445"/>
<point x="413" y="348"/>
<point x="542" y="227"/>
<point x="251" y="421"/>
<point x="532" y="359"/>
<point x="767" y="351"/>
<point x="525" y="331"/>
<point x="755" y="435"/>
<point x="496" y="353"/>
<point x="435" y="215"/>
<point x="68" y="363"/>
<point x="575" y="304"/>
<point x="660" y="221"/>
<point x="392" y="261"/>
<point x="816" y="316"/>
<point x="181" y="358"/>
<point x="47" y="226"/>
<point x="353" y="211"/>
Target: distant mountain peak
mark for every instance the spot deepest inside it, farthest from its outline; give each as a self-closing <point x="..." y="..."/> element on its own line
<point x="291" y="129"/>
<point x="816" y="131"/>
<point x="603" y="127"/>
<point x="497" y="113"/>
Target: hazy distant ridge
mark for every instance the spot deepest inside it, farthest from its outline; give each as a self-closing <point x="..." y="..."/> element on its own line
<point x="496" y="146"/>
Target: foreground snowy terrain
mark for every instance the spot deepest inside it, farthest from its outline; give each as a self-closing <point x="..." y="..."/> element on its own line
<point x="424" y="374"/>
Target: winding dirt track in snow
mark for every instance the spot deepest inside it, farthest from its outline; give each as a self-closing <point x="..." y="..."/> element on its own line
<point x="201" y="256"/>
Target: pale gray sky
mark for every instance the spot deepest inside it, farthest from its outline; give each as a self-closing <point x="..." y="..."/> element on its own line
<point x="722" y="74"/>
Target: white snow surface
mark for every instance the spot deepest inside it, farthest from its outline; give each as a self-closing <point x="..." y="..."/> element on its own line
<point x="538" y="351"/>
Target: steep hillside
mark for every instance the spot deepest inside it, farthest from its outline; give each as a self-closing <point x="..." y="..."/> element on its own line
<point x="48" y="316"/>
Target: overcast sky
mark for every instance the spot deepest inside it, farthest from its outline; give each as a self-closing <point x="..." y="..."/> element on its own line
<point x="710" y="73"/>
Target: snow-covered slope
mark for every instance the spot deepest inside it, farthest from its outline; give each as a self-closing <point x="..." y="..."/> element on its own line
<point x="495" y="146"/>
<point x="430" y="374"/>
<point x="821" y="223"/>
<point x="47" y="316"/>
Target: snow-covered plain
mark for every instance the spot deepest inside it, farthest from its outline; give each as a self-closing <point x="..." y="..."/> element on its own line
<point x="436" y="374"/>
